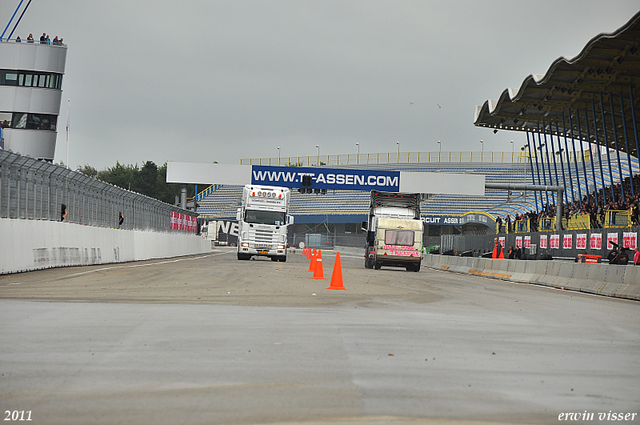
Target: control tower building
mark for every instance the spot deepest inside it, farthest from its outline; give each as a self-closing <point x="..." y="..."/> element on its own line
<point x="30" y="94"/>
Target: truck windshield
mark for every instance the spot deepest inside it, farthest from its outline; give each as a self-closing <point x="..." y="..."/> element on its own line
<point x="275" y="218"/>
<point x="399" y="237"/>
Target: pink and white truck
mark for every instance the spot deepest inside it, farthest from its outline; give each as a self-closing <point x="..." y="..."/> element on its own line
<point x="394" y="231"/>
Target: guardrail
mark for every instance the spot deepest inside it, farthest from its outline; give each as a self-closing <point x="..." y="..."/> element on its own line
<point x="578" y="222"/>
<point x="390" y="158"/>
<point x="617" y="219"/>
<point x="206" y="192"/>
<point x="523" y="226"/>
<point x="613" y="220"/>
<point x="37" y="190"/>
<point x="404" y="158"/>
<point x="547" y="224"/>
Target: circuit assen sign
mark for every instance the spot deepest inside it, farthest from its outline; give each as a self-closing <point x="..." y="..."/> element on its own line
<point x="327" y="178"/>
<point x="453" y="220"/>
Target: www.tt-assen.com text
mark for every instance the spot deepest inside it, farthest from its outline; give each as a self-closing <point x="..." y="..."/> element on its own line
<point x="328" y="178"/>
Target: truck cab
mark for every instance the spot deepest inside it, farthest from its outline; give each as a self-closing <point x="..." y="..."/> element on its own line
<point x="394" y="231"/>
<point x="263" y="222"/>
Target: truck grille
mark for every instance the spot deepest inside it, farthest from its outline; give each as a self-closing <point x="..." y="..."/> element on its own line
<point x="263" y="237"/>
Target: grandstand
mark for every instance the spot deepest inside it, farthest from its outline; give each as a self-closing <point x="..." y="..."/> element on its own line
<point x="353" y="206"/>
<point x="220" y="202"/>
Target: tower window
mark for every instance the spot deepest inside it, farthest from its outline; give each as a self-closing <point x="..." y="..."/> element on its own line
<point x="5" y="119"/>
<point x="21" y="120"/>
<point x="10" y="79"/>
<point x="30" y="79"/>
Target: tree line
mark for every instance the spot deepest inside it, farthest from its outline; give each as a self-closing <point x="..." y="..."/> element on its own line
<point x="149" y="180"/>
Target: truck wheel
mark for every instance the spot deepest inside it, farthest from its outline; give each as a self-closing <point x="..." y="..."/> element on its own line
<point x="274" y="258"/>
<point x="413" y="267"/>
<point x="377" y="266"/>
<point x="243" y="257"/>
<point x="283" y="258"/>
<point x="368" y="263"/>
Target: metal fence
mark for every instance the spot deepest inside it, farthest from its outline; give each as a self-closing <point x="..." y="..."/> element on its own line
<point x="520" y="156"/>
<point x="389" y="158"/>
<point x="36" y="190"/>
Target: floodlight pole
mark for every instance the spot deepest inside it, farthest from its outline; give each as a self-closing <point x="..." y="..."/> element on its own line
<point x="68" y="129"/>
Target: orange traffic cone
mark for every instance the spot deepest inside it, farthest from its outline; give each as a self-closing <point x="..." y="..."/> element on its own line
<point x="318" y="272"/>
<point x="312" y="263"/>
<point x="336" y="276"/>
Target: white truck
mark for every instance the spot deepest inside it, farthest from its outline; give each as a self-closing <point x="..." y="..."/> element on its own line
<point x="263" y="220"/>
<point x="394" y="231"/>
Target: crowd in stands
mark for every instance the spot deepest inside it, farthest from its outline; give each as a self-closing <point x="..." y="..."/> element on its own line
<point x="593" y="204"/>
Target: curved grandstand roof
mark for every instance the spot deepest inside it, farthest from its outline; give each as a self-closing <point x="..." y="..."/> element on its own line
<point x="605" y="75"/>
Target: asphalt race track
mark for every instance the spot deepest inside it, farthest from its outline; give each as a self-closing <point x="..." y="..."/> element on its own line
<point x="212" y="340"/>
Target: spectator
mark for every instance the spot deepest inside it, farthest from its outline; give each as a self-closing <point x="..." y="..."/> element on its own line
<point x="63" y="212"/>
<point x="30" y="38"/>
<point x="594" y="204"/>
<point x="636" y="257"/>
<point x="622" y="257"/>
<point x="497" y="249"/>
<point x="120" y="219"/>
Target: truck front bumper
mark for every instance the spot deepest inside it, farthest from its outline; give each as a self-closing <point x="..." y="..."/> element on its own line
<point x="266" y="251"/>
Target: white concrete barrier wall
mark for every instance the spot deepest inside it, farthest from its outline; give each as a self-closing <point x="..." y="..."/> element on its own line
<point x="37" y="244"/>
<point x="602" y="279"/>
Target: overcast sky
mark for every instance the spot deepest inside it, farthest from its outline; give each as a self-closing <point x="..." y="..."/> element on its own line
<point x="207" y="80"/>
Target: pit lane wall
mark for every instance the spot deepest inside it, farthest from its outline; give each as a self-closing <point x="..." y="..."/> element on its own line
<point x="39" y="244"/>
<point x="598" y="278"/>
